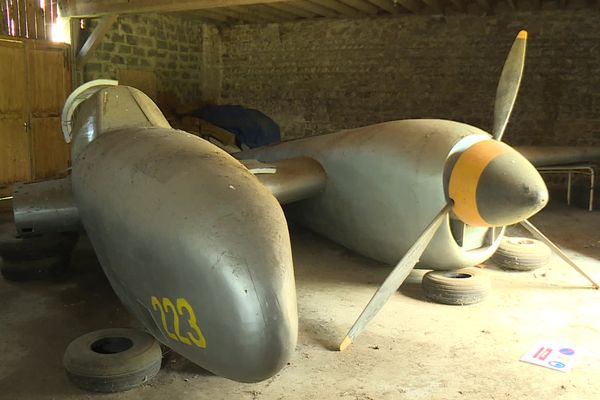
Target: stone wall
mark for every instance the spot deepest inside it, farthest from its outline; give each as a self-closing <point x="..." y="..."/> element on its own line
<point x="169" y="46"/>
<point x="315" y="77"/>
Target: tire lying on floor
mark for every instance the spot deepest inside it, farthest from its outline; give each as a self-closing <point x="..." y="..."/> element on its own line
<point x="16" y="248"/>
<point x="112" y="360"/>
<point x="27" y="270"/>
<point x="460" y="287"/>
<point x="34" y="257"/>
<point x="521" y="254"/>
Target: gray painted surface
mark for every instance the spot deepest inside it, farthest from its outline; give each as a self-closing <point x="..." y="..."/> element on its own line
<point x="174" y="217"/>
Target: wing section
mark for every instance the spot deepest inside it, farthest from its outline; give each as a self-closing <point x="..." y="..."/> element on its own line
<point x="543" y="156"/>
<point x="291" y="179"/>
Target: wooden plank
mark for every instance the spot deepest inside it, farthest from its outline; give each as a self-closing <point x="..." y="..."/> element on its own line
<point x="48" y="85"/>
<point x="290" y="8"/>
<point x="257" y="14"/>
<point x="341" y="8"/>
<point x="4" y="23"/>
<point x="387" y="5"/>
<point x="48" y="19"/>
<point x="410" y="5"/>
<point x="94" y="39"/>
<point x="30" y="10"/>
<point x="274" y="12"/>
<point x="89" y="8"/>
<point x="15" y="162"/>
<point x="50" y="154"/>
<point x="316" y="8"/>
<point x="362" y="5"/>
<point x="22" y="18"/>
<point x="40" y="30"/>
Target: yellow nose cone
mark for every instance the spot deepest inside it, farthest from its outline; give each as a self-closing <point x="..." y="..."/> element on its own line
<point x="492" y="184"/>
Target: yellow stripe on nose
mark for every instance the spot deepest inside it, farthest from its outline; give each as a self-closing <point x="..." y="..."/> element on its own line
<point x="464" y="179"/>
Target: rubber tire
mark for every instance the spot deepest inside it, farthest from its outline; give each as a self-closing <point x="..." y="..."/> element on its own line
<point x="521" y="254"/>
<point x="460" y="287"/>
<point x="117" y="372"/>
<point x="28" y="270"/>
<point x="15" y="248"/>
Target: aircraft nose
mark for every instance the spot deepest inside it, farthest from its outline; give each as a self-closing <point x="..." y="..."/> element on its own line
<point x="494" y="185"/>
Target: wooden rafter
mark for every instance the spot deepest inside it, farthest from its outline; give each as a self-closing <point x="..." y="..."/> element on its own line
<point x="289" y="8"/>
<point x="387" y="5"/>
<point x="340" y="8"/>
<point x="273" y="12"/>
<point x="411" y="5"/>
<point x="362" y="5"/>
<point x="88" y="8"/>
<point x="94" y="39"/>
<point x="315" y="8"/>
<point x="435" y="5"/>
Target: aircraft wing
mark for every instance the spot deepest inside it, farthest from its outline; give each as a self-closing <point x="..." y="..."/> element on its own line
<point x="543" y="156"/>
<point x="291" y="179"/>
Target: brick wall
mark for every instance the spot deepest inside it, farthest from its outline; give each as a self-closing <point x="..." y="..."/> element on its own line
<point x="320" y="76"/>
<point x="169" y="46"/>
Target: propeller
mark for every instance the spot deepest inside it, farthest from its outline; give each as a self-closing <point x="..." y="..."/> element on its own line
<point x="505" y="169"/>
<point x="508" y="86"/>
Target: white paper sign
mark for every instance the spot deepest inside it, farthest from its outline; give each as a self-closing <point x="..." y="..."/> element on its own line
<point x="557" y="356"/>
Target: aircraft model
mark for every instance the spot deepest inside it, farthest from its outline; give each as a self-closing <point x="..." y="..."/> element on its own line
<point x="196" y="245"/>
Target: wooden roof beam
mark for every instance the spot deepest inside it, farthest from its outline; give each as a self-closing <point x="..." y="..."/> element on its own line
<point x="340" y="8"/>
<point x="315" y="8"/>
<point x="90" y="8"/>
<point x="411" y="5"/>
<point x="387" y="5"/>
<point x="93" y="41"/>
<point x="362" y="5"/>
<point x="289" y="8"/>
<point x="272" y="12"/>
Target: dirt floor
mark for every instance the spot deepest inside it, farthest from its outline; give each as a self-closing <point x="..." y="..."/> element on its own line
<point x="414" y="349"/>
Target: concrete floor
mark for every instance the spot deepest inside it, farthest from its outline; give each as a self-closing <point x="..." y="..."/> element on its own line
<point x="414" y="349"/>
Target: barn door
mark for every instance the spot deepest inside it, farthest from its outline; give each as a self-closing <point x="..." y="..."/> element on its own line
<point x="34" y="82"/>
<point x="49" y="85"/>
<point x="15" y="162"/>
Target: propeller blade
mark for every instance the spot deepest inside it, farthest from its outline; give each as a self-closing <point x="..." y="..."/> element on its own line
<point x="508" y="86"/>
<point x="536" y="232"/>
<point x="395" y="278"/>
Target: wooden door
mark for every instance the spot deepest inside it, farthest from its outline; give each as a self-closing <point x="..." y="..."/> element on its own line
<point x="34" y="83"/>
<point x="49" y="85"/>
<point x="15" y="162"/>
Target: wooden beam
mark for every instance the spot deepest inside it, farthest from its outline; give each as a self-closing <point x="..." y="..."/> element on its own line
<point x="410" y="5"/>
<point x="512" y="5"/>
<point x="362" y="5"/>
<point x="387" y="5"/>
<point x="238" y="14"/>
<point x="250" y="12"/>
<point x="340" y="8"/>
<point x="89" y="8"/>
<point x="537" y="4"/>
<point x="315" y="8"/>
<point x="94" y="39"/>
<point x="271" y="12"/>
<point x="289" y="8"/>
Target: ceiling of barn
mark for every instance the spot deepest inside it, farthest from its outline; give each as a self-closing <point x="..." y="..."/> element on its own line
<point x="228" y="12"/>
<point x="305" y="9"/>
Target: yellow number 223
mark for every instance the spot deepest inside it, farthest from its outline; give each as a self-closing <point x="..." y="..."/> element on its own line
<point x="165" y="307"/>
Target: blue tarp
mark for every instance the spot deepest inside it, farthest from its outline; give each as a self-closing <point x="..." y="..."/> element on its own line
<point x="250" y="127"/>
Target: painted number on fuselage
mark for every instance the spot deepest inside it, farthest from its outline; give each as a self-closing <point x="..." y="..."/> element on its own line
<point x="181" y="308"/>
